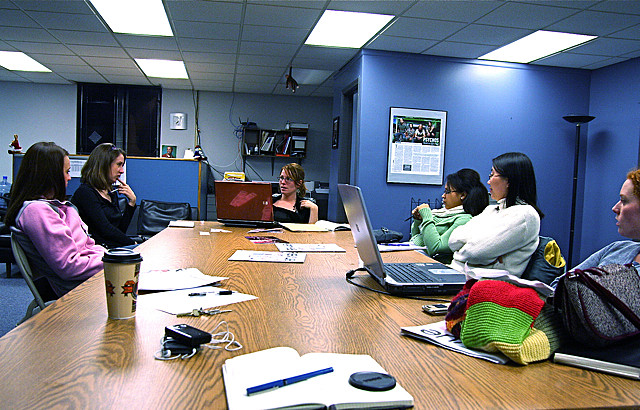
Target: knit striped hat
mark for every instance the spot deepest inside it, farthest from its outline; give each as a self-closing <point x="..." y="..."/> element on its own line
<point x="504" y="317"/>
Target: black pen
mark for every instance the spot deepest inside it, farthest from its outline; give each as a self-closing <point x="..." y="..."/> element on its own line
<point x="222" y="292"/>
<point x="408" y="218"/>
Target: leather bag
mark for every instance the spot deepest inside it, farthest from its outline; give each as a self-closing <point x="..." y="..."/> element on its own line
<point x="600" y="306"/>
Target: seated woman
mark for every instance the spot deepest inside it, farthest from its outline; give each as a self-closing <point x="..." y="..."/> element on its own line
<point x="98" y="203"/>
<point x="50" y="230"/>
<point x="503" y="236"/>
<point x="627" y="211"/>
<point x="291" y="205"/>
<point x="464" y="196"/>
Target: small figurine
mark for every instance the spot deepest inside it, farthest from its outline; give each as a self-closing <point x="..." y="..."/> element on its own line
<point x="17" y="149"/>
<point x="199" y="154"/>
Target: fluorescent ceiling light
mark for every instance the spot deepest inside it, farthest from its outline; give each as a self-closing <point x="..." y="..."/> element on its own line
<point x="346" y="29"/>
<point x="535" y="46"/>
<point x="163" y="68"/>
<point x="18" y="61"/>
<point x="146" y="17"/>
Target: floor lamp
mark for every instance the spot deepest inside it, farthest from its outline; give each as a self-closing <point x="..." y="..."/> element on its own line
<point x="575" y="119"/>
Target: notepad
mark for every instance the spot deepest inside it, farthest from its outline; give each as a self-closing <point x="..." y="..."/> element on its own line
<point x="309" y="247"/>
<point x="266" y="256"/>
<point x="331" y="389"/>
<point x="181" y="224"/>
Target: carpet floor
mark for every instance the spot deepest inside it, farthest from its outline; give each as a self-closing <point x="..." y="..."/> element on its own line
<point x="15" y="296"/>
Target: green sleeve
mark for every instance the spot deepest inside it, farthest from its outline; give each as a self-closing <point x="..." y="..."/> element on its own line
<point x="431" y="238"/>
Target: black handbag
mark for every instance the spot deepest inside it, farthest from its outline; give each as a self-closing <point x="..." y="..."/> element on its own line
<point x="600" y="306"/>
<point x="384" y="235"/>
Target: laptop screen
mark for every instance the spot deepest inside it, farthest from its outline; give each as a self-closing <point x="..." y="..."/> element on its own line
<point x="361" y="229"/>
<point x="243" y="201"/>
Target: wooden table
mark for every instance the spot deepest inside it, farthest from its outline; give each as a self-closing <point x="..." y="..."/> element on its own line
<point x="72" y="356"/>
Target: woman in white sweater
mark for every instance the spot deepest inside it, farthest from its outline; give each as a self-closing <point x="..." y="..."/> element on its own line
<point x="503" y="236"/>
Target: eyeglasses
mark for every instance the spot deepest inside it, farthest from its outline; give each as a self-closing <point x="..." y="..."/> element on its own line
<point x="447" y="191"/>
<point x="283" y="178"/>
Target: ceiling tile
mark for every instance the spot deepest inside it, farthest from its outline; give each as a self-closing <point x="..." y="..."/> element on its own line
<point x="218" y="58"/>
<point x="208" y="46"/>
<point x="218" y="31"/>
<point x="26" y="34"/>
<point x="423" y="28"/>
<point x="281" y="34"/>
<point x="278" y="16"/>
<point x="16" y="18"/>
<point x="210" y="68"/>
<point x="378" y="7"/>
<point x="461" y="50"/>
<point x="48" y="48"/>
<point x="273" y="49"/>
<point x="528" y="16"/>
<point x="488" y="35"/>
<point x="206" y="11"/>
<point x="97" y="51"/>
<point x="45" y="59"/>
<point x="406" y="45"/>
<point x="608" y="47"/>
<point x="583" y="23"/>
<point x="55" y="6"/>
<point x="462" y="11"/>
<point x="64" y="21"/>
<point x="84" y="37"/>
<point x="148" y="42"/>
<point x="110" y="62"/>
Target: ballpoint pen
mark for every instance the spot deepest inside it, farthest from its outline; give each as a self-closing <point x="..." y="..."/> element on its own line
<point x="222" y="292"/>
<point x="287" y="381"/>
<point x="408" y="218"/>
<point x="396" y="244"/>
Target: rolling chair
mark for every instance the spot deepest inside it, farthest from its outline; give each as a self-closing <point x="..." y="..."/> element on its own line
<point x="42" y="292"/>
<point x="154" y="216"/>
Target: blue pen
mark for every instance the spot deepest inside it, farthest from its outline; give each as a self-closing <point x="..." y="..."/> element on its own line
<point x="397" y="244"/>
<point x="290" y="380"/>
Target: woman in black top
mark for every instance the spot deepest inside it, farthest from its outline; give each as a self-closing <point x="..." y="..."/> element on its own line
<point x="291" y="205"/>
<point x="97" y="202"/>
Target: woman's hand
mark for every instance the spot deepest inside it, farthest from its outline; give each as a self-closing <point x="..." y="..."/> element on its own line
<point x="126" y="190"/>
<point x="416" y="212"/>
<point x="313" y="216"/>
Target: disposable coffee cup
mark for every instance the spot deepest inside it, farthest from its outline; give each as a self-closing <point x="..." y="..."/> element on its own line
<point x="121" y="272"/>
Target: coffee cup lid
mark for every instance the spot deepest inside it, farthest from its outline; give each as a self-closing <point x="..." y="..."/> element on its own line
<point x="121" y="255"/>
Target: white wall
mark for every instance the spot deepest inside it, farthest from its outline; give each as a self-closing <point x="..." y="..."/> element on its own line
<point x="36" y="112"/>
<point x="39" y="112"/>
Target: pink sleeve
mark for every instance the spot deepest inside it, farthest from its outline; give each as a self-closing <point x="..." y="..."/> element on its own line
<point x="61" y="241"/>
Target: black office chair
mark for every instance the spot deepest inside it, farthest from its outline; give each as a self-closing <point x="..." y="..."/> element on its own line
<point x="154" y="216"/>
<point x="6" y="255"/>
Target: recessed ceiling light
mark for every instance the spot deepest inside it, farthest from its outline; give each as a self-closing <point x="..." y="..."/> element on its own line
<point x="163" y="68"/>
<point x="19" y="61"/>
<point x="146" y="17"/>
<point x="346" y="28"/>
<point x="535" y="46"/>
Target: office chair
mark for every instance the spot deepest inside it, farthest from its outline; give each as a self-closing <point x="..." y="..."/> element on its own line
<point x="154" y="216"/>
<point x="35" y="286"/>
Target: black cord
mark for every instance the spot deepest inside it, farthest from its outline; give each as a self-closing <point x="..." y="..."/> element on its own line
<point x="351" y="274"/>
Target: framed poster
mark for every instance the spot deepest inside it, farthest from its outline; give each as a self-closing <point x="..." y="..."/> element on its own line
<point x="336" y="133"/>
<point x="416" y="146"/>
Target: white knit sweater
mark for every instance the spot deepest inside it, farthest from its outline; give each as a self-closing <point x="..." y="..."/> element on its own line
<point x="498" y="238"/>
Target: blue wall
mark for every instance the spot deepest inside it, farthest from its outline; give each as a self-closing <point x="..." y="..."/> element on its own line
<point x="491" y="109"/>
<point x="611" y="149"/>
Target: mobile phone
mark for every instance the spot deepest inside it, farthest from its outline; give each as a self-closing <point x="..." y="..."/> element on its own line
<point x="187" y="335"/>
<point x="436" y="309"/>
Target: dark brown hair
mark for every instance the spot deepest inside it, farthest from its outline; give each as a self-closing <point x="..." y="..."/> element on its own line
<point x="96" y="170"/>
<point x="296" y="172"/>
<point x="41" y="175"/>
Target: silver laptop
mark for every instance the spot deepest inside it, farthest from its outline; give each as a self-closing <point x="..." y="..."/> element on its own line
<point x="244" y="203"/>
<point x="396" y="278"/>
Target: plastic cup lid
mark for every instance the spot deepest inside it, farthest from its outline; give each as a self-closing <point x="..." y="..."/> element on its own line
<point x="121" y="255"/>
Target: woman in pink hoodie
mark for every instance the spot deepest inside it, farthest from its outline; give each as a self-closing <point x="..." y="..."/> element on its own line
<point x="46" y="225"/>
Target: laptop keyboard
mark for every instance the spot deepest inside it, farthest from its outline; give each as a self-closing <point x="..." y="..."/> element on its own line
<point x="409" y="273"/>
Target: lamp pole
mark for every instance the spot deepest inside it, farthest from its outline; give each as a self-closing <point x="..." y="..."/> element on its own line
<point x="575" y="119"/>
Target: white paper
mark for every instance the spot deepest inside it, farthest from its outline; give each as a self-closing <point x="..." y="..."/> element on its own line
<point x="170" y="279"/>
<point x="438" y="334"/>
<point x="182" y="224"/>
<point x="220" y="230"/>
<point x="399" y="246"/>
<point x="309" y="247"/>
<point x="205" y="233"/>
<point x="179" y="301"/>
<point x="266" y="256"/>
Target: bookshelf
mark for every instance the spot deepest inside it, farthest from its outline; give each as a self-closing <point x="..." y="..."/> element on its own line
<point x="289" y="144"/>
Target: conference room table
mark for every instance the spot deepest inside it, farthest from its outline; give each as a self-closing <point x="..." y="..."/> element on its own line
<point x="72" y="356"/>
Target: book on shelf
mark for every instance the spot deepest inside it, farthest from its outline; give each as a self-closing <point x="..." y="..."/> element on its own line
<point x="329" y="390"/>
<point x="267" y="145"/>
<point x="620" y="359"/>
<point x="283" y="148"/>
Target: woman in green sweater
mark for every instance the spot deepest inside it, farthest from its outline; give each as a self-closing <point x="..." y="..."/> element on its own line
<point x="464" y="197"/>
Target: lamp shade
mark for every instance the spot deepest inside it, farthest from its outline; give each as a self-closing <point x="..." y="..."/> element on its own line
<point x="578" y="119"/>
